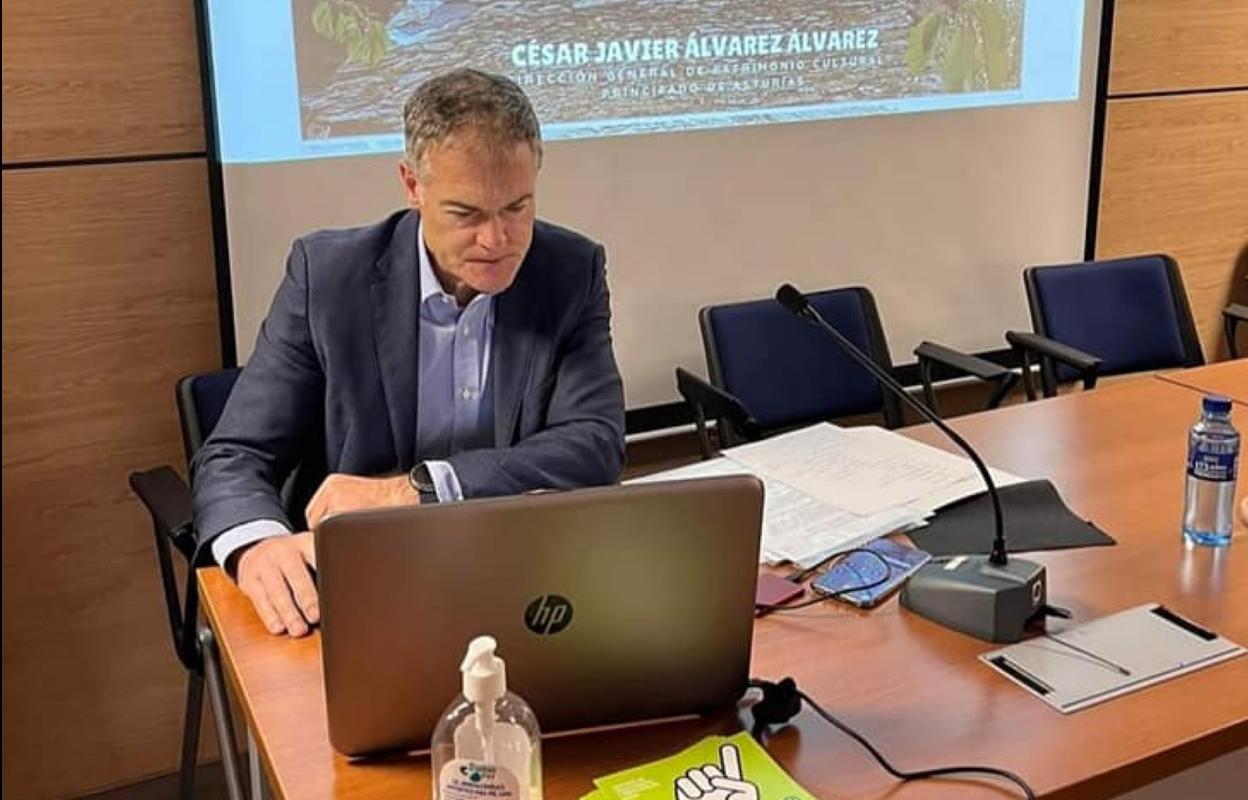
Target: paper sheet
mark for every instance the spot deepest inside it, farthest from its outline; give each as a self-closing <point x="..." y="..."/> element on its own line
<point x="829" y="489"/>
<point x="862" y="470"/>
<point x="796" y="526"/>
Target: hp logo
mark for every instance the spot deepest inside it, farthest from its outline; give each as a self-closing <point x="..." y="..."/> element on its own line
<point x="548" y="614"/>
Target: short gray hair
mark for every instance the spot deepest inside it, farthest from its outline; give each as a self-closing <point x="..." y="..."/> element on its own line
<point x="488" y="105"/>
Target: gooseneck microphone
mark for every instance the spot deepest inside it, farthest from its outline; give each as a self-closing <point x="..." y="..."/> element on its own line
<point x="796" y="302"/>
<point x="992" y="598"/>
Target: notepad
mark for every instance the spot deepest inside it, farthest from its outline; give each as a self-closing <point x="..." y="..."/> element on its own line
<point x="1106" y="658"/>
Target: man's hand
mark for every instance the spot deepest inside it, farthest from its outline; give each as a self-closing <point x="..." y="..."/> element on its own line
<point x="274" y="574"/>
<point x="340" y="493"/>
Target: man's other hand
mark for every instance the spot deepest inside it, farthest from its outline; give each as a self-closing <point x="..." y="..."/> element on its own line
<point x="341" y="493"/>
<point x="274" y="574"/>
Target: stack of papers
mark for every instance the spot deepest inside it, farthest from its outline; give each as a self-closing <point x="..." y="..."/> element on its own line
<point x="716" y="767"/>
<point x="829" y="489"/>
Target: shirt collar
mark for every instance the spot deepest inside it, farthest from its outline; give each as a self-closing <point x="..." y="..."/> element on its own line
<point x="429" y="283"/>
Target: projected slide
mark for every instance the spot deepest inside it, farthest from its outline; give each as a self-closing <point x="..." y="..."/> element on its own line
<point x="335" y="73"/>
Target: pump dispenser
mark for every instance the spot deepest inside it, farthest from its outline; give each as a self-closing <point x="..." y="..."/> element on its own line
<point x="487" y="743"/>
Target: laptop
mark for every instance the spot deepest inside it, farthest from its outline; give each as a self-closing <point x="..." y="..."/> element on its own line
<point x="612" y="605"/>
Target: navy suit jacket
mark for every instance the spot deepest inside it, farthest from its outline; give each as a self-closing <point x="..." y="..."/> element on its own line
<point x="332" y="383"/>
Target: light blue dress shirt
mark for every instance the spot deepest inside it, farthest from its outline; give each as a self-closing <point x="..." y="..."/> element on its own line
<point x="456" y="408"/>
<point x="454" y="376"/>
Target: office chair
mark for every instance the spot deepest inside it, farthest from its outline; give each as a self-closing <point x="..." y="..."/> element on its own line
<point x="771" y="371"/>
<point x="1105" y="318"/>
<point x="1232" y="315"/>
<point x="167" y="498"/>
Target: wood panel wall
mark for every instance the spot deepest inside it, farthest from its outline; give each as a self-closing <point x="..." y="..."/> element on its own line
<point x="1175" y="173"/>
<point x="1165" y="46"/>
<point x="1176" y="180"/>
<point x="109" y="295"/>
<point x="100" y="80"/>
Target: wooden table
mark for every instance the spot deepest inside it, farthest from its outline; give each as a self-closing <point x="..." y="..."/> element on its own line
<point x="913" y="688"/>
<point x="1228" y="378"/>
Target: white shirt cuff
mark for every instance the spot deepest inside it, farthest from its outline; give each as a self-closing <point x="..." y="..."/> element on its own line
<point x="445" y="481"/>
<point x="247" y="533"/>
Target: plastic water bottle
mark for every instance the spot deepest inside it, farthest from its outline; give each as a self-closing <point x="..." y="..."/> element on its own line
<point x="1212" y="453"/>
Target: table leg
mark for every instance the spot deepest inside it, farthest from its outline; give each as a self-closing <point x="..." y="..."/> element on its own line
<point x="221" y="714"/>
<point x="258" y="786"/>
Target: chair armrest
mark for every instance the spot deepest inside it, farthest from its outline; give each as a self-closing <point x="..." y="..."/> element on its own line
<point x="707" y="401"/>
<point x="965" y="363"/>
<point x="1232" y="315"/>
<point x="1029" y="344"/>
<point x="1053" y="349"/>
<point x="931" y="354"/>
<point x="168" y="499"/>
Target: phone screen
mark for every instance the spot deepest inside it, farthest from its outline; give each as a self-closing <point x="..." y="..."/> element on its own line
<point x="860" y="569"/>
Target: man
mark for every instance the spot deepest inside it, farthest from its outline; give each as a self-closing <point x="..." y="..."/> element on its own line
<point x="458" y="349"/>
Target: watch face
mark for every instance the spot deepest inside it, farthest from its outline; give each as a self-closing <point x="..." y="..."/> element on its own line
<point x="421" y="480"/>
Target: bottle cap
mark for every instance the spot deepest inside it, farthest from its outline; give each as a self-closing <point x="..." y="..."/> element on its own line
<point x="485" y="674"/>
<point x="1216" y="404"/>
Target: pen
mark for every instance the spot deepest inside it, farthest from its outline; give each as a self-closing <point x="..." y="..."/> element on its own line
<point x="1121" y="670"/>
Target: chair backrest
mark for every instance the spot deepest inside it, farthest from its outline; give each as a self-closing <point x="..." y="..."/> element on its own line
<point x="201" y="399"/>
<point x="787" y="372"/>
<point x="1132" y="313"/>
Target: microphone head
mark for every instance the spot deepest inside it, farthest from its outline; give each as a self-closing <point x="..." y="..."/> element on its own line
<point x="789" y="297"/>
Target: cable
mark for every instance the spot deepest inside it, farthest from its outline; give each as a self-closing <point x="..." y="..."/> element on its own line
<point x="782" y="701"/>
<point x="802" y="575"/>
<point x="764" y="610"/>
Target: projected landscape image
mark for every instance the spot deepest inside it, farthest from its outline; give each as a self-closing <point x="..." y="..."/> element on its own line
<point x="601" y="67"/>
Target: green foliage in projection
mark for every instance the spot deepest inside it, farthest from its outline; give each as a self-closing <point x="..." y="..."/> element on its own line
<point x="357" y="29"/>
<point x="975" y="43"/>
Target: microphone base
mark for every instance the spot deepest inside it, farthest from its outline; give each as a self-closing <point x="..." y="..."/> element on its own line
<point x="974" y="596"/>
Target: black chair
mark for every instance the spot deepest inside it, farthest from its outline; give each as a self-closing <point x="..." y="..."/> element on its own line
<point x="783" y="373"/>
<point x="771" y="371"/>
<point x="1109" y="317"/>
<point x="167" y="498"/>
<point x="1232" y="315"/>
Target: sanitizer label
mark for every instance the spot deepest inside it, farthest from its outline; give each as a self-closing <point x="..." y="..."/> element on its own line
<point x="1212" y="461"/>
<point x="469" y="780"/>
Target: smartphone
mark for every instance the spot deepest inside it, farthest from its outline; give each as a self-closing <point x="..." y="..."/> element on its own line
<point x="896" y="562"/>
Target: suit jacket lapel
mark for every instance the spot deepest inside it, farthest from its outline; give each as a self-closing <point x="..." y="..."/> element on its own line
<point x="512" y="350"/>
<point x="396" y="325"/>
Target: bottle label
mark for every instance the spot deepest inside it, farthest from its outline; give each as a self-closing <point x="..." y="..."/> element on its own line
<point x="462" y="779"/>
<point x="1213" y="461"/>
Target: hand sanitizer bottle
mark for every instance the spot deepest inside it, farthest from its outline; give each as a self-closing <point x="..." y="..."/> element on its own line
<point x="487" y="743"/>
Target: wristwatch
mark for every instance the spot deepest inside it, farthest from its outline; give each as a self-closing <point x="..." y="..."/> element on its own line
<point x="422" y="482"/>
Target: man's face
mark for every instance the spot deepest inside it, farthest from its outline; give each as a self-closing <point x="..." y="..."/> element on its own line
<point x="477" y="204"/>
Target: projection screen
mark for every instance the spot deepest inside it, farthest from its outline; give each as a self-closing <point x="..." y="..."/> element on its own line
<point x="927" y="149"/>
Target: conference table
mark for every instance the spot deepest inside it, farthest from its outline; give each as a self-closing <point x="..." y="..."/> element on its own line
<point x="914" y="689"/>
<point x="1228" y="378"/>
